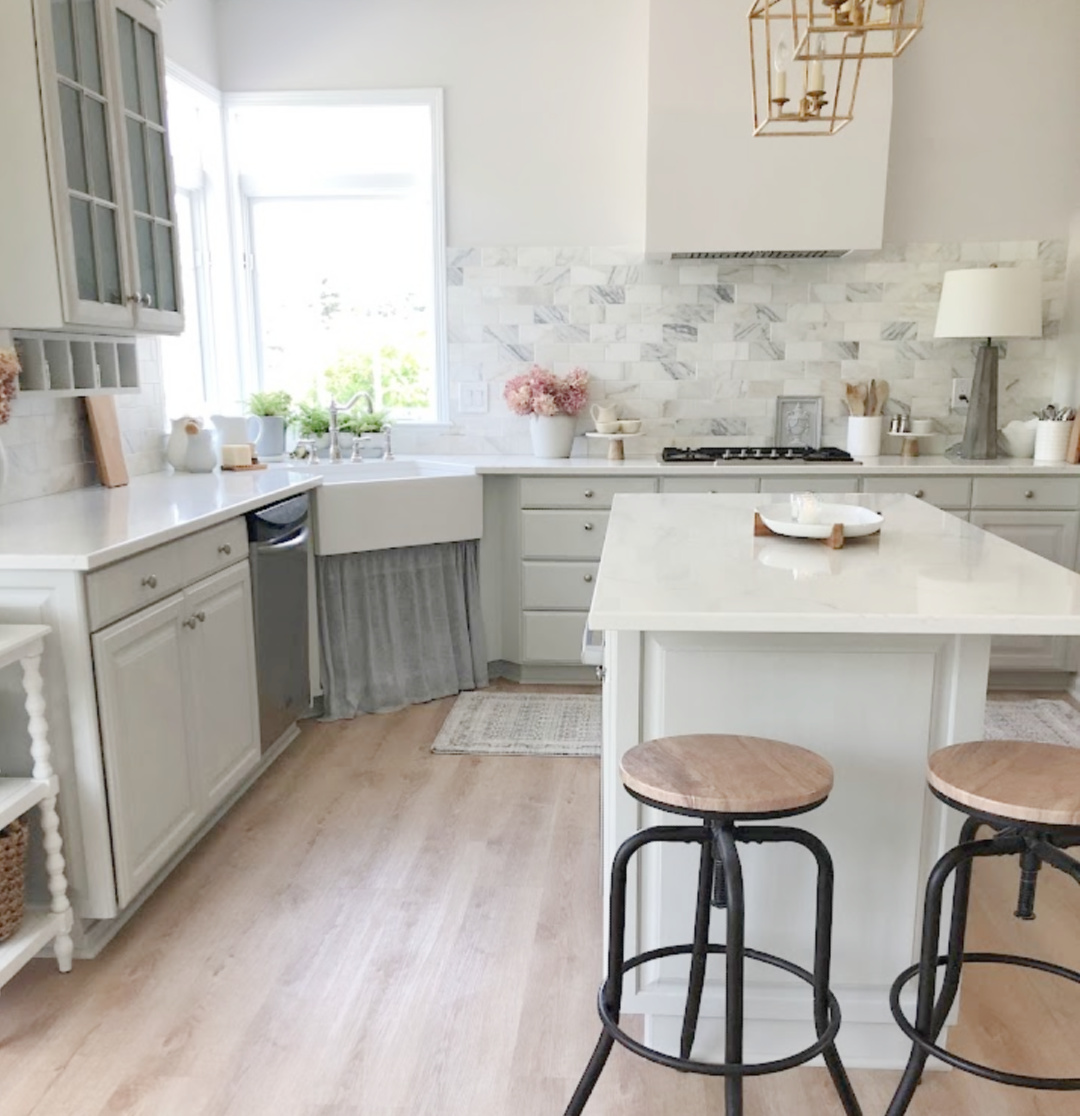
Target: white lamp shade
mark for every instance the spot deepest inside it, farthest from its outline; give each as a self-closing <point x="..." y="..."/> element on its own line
<point x="991" y="302"/>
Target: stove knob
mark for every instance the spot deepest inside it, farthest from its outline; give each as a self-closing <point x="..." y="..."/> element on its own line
<point x="774" y="455"/>
<point x="727" y="455"/>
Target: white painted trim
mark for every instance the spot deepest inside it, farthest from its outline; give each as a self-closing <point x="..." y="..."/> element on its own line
<point x="186" y="77"/>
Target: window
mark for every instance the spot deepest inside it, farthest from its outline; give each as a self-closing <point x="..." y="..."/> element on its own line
<point x="340" y="204"/>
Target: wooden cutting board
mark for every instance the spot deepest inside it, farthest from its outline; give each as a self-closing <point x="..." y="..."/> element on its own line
<point x="105" y="432"/>
<point x="1072" y="453"/>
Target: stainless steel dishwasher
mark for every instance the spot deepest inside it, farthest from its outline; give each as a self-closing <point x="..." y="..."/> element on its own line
<point x="279" y="540"/>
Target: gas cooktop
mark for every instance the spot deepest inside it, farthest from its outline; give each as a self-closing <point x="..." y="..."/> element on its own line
<point x="719" y="455"/>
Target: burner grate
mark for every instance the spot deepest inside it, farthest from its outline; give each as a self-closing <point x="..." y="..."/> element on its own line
<point x="719" y="455"/>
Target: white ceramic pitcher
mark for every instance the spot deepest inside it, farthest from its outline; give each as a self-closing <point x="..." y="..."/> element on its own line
<point x="236" y="430"/>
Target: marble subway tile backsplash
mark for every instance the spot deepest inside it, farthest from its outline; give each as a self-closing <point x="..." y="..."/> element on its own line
<point x="700" y="350"/>
<point x="47" y="441"/>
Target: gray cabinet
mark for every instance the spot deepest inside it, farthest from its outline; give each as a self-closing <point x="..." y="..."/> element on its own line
<point x="88" y="198"/>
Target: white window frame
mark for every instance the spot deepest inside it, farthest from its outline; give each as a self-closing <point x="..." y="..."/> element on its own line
<point x="243" y="193"/>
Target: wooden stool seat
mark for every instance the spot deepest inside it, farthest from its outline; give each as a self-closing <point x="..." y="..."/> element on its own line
<point x="732" y="775"/>
<point x="1014" y="779"/>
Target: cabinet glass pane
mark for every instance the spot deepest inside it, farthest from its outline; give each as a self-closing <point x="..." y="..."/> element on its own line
<point x="144" y="242"/>
<point x="149" y="85"/>
<point x="140" y="190"/>
<point x="109" y="252"/>
<point x="97" y="148"/>
<point x="74" y="153"/>
<point x="64" y="38"/>
<point x="85" y="262"/>
<point x="166" y="268"/>
<point x="159" y="178"/>
<point x="89" y="52"/>
<point x="129" y="67"/>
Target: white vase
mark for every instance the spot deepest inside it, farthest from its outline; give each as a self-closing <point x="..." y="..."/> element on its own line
<point x="864" y="435"/>
<point x="552" y="435"/>
<point x="200" y="456"/>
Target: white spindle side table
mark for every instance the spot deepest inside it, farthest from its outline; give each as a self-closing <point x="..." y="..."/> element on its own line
<point x="25" y="643"/>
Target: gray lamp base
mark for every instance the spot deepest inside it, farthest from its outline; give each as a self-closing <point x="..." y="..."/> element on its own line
<point x="980" y="441"/>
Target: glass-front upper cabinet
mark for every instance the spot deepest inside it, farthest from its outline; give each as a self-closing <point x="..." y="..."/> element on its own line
<point x="102" y="79"/>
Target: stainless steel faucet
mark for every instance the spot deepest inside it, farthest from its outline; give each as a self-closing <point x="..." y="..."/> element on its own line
<point x="335" y="407"/>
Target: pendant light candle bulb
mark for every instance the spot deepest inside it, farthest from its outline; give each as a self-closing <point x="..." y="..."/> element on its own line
<point x="817" y="68"/>
<point x="780" y="65"/>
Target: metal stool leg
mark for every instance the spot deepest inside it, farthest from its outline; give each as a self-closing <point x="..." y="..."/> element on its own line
<point x="926" y="1016"/>
<point x="699" y="956"/>
<point x="736" y="918"/>
<point x="611" y="992"/>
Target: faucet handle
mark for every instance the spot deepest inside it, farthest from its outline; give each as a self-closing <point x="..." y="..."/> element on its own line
<point x="388" y="454"/>
<point x="357" y="444"/>
<point x="311" y="445"/>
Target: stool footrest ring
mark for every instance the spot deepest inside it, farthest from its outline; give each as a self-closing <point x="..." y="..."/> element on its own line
<point x="722" y="1069"/>
<point x="1022" y="1081"/>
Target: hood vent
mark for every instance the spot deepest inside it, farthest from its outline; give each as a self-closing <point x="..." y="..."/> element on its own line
<point x="806" y="254"/>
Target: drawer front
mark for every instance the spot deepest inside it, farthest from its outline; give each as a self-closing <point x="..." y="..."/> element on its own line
<point x="579" y="492"/>
<point x="942" y="492"/>
<point x="127" y="586"/>
<point x="813" y="482"/>
<point x="709" y="484"/>
<point x="208" y="551"/>
<point x="552" y="637"/>
<point x="563" y="534"/>
<point x="557" y="584"/>
<point x="1026" y="492"/>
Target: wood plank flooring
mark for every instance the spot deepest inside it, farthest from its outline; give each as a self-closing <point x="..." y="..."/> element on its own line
<point x="376" y="931"/>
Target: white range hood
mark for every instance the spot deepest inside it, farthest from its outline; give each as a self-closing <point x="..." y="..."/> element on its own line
<point x="712" y="186"/>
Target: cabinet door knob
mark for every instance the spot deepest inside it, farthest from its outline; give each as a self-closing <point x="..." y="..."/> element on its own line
<point x="1029" y="495"/>
<point x="190" y="622"/>
<point x="146" y="300"/>
<point x="200" y="616"/>
<point x="136" y="298"/>
<point x="588" y="577"/>
<point x="588" y="526"/>
<point x="588" y="493"/>
<point x="150" y="581"/>
<point x="224" y="549"/>
<point x="919" y="493"/>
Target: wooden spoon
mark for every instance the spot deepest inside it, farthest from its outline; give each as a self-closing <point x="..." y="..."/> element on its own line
<point x="882" y="396"/>
<point x="855" y="395"/>
<point x="871" y="398"/>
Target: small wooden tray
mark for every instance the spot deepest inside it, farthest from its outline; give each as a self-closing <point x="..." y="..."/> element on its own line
<point x="243" y="468"/>
<point x="834" y="541"/>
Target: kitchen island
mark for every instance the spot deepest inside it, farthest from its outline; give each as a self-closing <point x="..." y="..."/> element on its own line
<point x="874" y="655"/>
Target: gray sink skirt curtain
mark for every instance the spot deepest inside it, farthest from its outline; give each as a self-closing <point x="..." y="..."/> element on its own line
<point x="401" y="626"/>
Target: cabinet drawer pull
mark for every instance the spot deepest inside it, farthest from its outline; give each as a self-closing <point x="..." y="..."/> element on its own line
<point x="150" y="581"/>
<point x="919" y="494"/>
<point x="588" y="526"/>
<point x="1029" y="495"/>
<point x="200" y="616"/>
<point x="190" y="622"/>
<point x="588" y="493"/>
<point x="588" y="577"/>
<point x="224" y="549"/>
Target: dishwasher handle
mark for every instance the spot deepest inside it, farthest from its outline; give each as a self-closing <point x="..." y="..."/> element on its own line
<point x="279" y="546"/>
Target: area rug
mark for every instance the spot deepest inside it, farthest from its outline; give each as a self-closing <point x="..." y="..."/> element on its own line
<point x="1050" y="720"/>
<point x="507" y="724"/>
<point x="500" y="724"/>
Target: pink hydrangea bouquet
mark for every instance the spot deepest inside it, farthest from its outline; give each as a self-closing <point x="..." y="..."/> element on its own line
<point x="9" y="381"/>
<point x="541" y="392"/>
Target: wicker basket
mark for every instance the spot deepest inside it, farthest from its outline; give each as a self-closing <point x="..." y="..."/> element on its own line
<point x="14" y="840"/>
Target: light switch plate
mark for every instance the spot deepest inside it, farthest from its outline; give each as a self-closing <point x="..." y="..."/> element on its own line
<point x="473" y="399"/>
<point x="960" y="387"/>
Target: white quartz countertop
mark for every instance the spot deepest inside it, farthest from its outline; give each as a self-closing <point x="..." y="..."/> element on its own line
<point x="92" y="527"/>
<point x="691" y="563"/>
<point x="524" y="465"/>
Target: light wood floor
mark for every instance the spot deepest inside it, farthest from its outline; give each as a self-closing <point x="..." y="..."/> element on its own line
<point x="375" y="930"/>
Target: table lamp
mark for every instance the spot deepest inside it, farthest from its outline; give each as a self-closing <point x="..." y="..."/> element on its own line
<point x="988" y="302"/>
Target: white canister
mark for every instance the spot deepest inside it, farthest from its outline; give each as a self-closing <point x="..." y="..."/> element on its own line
<point x="201" y="455"/>
<point x="864" y="435"/>
<point x="1052" y="440"/>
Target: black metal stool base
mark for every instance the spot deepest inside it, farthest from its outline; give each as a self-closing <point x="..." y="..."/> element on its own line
<point x="721" y="1069"/>
<point x="1035" y="845"/>
<point x="1022" y="1081"/>
<point x="720" y="884"/>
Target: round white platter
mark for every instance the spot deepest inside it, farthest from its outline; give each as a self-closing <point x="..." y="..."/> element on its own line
<point x="856" y="521"/>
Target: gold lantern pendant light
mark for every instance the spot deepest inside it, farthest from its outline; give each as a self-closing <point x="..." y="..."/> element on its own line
<point x="828" y="41"/>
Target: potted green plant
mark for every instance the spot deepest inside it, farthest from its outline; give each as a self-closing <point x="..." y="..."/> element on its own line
<point x="313" y="421"/>
<point x="275" y="410"/>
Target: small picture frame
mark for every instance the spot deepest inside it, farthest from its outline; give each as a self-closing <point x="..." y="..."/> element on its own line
<point x="798" y="421"/>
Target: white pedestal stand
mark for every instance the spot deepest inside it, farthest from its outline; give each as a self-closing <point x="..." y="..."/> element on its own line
<point x="615" y="443"/>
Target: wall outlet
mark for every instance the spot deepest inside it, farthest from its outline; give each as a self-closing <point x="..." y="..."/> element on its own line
<point x="961" y="391"/>
<point x="473" y="399"/>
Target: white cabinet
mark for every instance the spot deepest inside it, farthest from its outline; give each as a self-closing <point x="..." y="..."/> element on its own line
<point x="179" y="720"/>
<point x="1053" y="535"/>
<point x="87" y="198"/>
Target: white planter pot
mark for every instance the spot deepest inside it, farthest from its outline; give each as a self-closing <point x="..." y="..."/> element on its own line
<point x="552" y="435"/>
